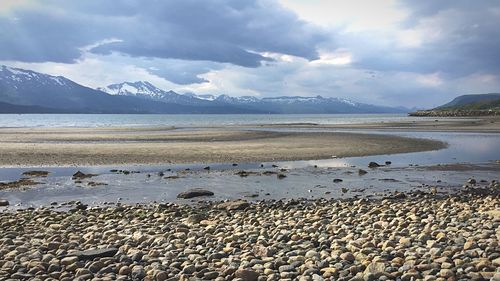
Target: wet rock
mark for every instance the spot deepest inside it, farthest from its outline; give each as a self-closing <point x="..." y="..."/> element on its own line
<point x="281" y="176"/>
<point x="18" y="184"/>
<point x="472" y="181"/>
<point x="195" y="192"/>
<point x="36" y="173"/>
<point x="337" y="180"/>
<point x="373" y="165"/>
<point x="79" y="176"/>
<point x="4" y="203"/>
<point x="362" y="172"/>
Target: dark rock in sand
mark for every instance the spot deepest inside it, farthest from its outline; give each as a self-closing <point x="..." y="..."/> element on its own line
<point x="337" y="180"/>
<point x="373" y="165"/>
<point x="195" y="192"/>
<point x="206" y="168"/>
<point x="36" y="173"/>
<point x="79" y="175"/>
<point x="281" y="176"/>
<point x="388" y="162"/>
<point x="92" y="254"/>
<point x="234" y="205"/>
<point x="4" y="203"/>
<point x="242" y="174"/>
<point x="362" y="172"/>
<point x="94" y="184"/>
<point x="389" y="180"/>
<point x="251" y="195"/>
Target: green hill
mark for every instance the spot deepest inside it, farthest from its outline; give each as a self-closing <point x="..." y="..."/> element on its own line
<point x="466" y="105"/>
<point x="473" y="102"/>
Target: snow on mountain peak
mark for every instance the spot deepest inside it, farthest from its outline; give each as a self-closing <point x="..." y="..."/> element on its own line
<point x="18" y="75"/>
<point x="139" y="88"/>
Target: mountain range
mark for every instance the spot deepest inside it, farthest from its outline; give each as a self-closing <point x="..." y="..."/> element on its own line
<point x="26" y="91"/>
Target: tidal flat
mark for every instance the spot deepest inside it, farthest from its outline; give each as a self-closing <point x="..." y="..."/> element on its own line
<point x="249" y="203"/>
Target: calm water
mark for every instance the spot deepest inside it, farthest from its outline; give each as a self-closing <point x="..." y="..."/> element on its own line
<point x="187" y="120"/>
<point x="305" y="179"/>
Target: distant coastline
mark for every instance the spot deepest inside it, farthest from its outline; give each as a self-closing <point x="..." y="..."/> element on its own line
<point x="454" y="113"/>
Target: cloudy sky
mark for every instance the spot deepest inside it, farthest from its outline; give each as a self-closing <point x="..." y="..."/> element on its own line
<point x="390" y="52"/>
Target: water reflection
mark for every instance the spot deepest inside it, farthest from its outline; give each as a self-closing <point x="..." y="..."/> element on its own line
<point x="307" y="179"/>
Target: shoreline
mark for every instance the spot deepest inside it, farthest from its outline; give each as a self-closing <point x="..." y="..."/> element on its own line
<point x="472" y="124"/>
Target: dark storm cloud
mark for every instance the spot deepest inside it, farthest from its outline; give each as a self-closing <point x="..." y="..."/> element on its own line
<point x="228" y="31"/>
<point x="460" y="38"/>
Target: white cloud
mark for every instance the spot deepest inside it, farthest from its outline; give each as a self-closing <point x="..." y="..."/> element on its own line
<point x="337" y="57"/>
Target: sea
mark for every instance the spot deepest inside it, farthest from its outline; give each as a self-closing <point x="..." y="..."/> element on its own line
<point x="188" y="120"/>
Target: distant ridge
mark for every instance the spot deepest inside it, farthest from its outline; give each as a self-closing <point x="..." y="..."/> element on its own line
<point x="26" y="91"/>
<point x="466" y="105"/>
<point x="274" y="105"/>
<point x="12" y="108"/>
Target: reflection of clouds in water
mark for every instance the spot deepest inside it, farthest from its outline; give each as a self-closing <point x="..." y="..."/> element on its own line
<point x="324" y="163"/>
<point x="462" y="147"/>
<point x="483" y="145"/>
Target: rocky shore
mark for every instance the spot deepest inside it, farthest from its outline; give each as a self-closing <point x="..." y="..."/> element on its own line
<point x="414" y="237"/>
<point x="454" y="113"/>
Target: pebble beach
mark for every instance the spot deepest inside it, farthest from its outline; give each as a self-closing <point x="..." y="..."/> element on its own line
<point x="410" y="237"/>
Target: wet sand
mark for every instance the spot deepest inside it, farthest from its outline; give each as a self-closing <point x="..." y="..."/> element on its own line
<point x="425" y="124"/>
<point x="74" y="146"/>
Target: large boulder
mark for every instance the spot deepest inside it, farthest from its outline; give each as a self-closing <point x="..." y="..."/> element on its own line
<point x="195" y="192"/>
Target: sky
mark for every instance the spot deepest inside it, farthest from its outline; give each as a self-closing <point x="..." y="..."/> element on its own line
<point x="386" y="52"/>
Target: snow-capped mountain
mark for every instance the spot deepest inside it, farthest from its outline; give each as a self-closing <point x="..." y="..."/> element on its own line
<point x="29" y="91"/>
<point x="146" y="90"/>
<point x="300" y="105"/>
<point x="284" y="104"/>
<point x="206" y="97"/>
<point x="26" y="91"/>
<point x="135" y="89"/>
<point x="15" y="76"/>
<point x="237" y="100"/>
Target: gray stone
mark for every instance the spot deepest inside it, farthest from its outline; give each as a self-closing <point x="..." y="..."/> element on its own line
<point x="195" y="192"/>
